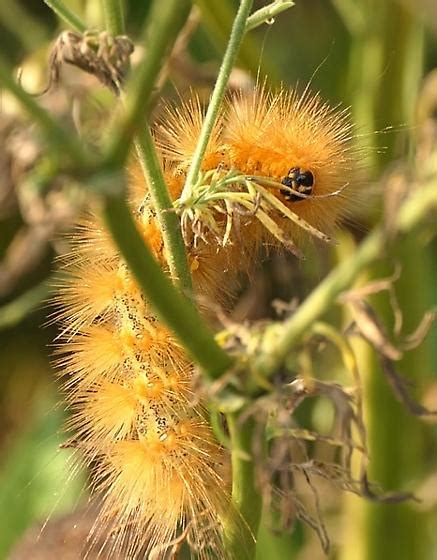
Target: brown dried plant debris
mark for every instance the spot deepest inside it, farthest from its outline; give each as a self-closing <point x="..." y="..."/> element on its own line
<point x="367" y="324"/>
<point x="44" y="204"/>
<point x="287" y="472"/>
<point x="298" y="459"/>
<point x="42" y="207"/>
<point x="290" y="470"/>
<point x="105" y="57"/>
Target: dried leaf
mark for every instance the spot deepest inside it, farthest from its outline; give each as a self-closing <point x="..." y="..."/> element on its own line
<point x="385" y="497"/>
<point x="371" y="288"/>
<point x="399" y="386"/>
<point x="372" y="330"/>
<point x="416" y="338"/>
<point x="105" y="57"/>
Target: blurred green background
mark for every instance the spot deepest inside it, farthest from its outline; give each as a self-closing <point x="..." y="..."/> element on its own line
<point x="376" y="56"/>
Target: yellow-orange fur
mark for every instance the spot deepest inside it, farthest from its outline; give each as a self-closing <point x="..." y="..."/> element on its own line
<point x="128" y="382"/>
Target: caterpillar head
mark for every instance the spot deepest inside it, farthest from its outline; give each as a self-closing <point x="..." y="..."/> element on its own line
<point x="295" y="150"/>
<point x="300" y="184"/>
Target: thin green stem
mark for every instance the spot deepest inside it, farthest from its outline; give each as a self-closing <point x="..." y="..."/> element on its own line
<point x="240" y="534"/>
<point x="267" y="13"/>
<point x="17" y="310"/>
<point x="148" y="158"/>
<point x="280" y="338"/>
<point x="65" y="14"/>
<point x="217" y="20"/>
<point x="167" y="19"/>
<point x="113" y="16"/>
<point x="167" y="218"/>
<point x="172" y="308"/>
<point x="61" y="140"/>
<point x="237" y="34"/>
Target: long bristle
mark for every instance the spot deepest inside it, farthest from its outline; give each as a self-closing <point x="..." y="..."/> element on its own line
<point x="127" y="380"/>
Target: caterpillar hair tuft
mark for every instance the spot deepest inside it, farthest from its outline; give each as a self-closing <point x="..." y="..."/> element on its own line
<point x="274" y="173"/>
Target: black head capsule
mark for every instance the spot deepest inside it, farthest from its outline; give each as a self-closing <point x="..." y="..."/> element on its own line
<point x="298" y="180"/>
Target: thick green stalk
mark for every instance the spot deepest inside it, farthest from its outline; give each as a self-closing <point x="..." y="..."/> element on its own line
<point x="275" y="544"/>
<point x="167" y="19"/>
<point x="353" y="514"/>
<point x="65" y="14"/>
<point x="385" y="72"/>
<point x="237" y="34"/>
<point x="146" y="151"/>
<point x="217" y="18"/>
<point x="352" y="14"/>
<point x="385" y="62"/>
<point x="396" y="439"/>
<point x="365" y="68"/>
<point x="240" y="534"/>
<point x="167" y="218"/>
<point x="113" y="16"/>
<point x="400" y="77"/>
<point x="172" y="308"/>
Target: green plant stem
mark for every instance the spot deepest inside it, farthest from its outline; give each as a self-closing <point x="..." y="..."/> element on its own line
<point x="217" y="19"/>
<point x="280" y="338"/>
<point x="60" y="138"/>
<point x="237" y="34"/>
<point x="275" y="544"/>
<point x="266" y="13"/>
<point x="240" y="534"/>
<point x="393" y="464"/>
<point x="399" y="34"/>
<point x="172" y="308"/>
<point x="14" y="312"/>
<point x="148" y="158"/>
<point x="65" y="14"/>
<point x="113" y="16"/>
<point x="167" y="19"/>
<point x="167" y="218"/>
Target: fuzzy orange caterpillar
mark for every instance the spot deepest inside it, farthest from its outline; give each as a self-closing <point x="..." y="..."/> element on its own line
<point x="275" y="167"/>
<point x="295" y="147"/>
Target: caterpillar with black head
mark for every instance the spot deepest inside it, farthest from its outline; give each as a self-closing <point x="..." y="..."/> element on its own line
<point x="127" y="380"/>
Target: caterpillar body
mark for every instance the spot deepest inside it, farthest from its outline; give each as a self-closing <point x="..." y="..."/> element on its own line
<point x="128" y="383"/>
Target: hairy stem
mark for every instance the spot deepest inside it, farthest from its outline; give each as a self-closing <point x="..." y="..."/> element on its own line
<point x="145" y="148"/>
